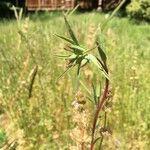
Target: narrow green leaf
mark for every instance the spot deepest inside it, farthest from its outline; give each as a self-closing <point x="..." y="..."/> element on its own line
<point x="71" y="31"/>
<point x="98" y="87"/>
<point x="105" y="74"/>
<point x="69" y="13"/>
<point x="77" y="49"/>
<point x="101" y="53"/>
<point x="62" y="56"/>
<point x="94" y="60"/>
<point x="94" y="93"/>
<point x="64" y="38"/>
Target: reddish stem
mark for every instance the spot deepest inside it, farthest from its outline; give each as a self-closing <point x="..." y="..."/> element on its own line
<point x="82" y="146"/>
<point x="100" y="105"/>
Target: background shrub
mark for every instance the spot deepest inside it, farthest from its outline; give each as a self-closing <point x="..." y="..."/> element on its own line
<point x="139" y="9"/>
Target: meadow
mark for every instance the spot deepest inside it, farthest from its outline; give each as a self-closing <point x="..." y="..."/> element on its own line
<point x="40" y="115"/>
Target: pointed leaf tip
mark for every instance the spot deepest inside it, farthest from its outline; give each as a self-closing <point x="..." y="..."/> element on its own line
<point x="71" y="31"/>
<point x="64" y="38"/>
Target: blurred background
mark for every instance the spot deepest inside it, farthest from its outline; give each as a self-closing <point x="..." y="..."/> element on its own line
<point x="36" y="111"/>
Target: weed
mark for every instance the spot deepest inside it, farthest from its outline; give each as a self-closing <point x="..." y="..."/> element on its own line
<point x="47" y="119"/>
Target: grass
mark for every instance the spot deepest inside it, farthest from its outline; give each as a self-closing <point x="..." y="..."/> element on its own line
<point x="2" y="137"/>
<point x="45" y="120"/>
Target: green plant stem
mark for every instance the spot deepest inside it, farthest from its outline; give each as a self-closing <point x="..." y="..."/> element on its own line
<point x="100" y="145"/>
<point x="78" y="79"/>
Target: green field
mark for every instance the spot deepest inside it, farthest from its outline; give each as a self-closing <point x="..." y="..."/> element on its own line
<point x="45" y="121"/>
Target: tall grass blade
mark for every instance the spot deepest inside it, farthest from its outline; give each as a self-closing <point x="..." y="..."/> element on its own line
<point x="31" y="80"/>
<point x="69" y="13"/>
<point x="112" y="15"/>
